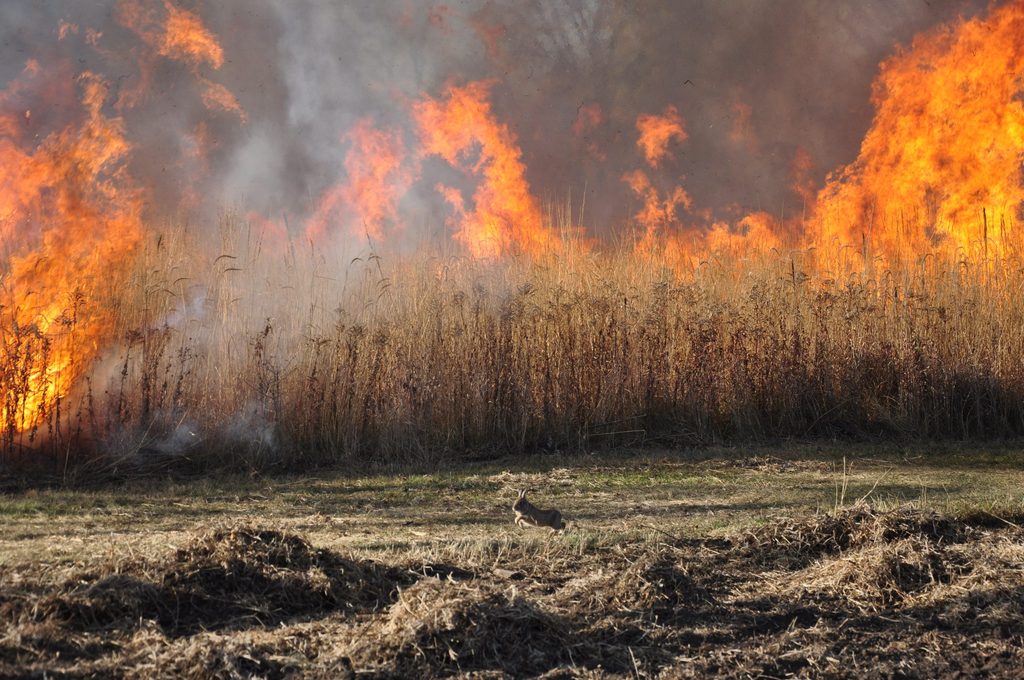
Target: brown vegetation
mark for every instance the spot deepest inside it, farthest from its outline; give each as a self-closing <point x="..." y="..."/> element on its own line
<point x="904" y="593"/>
<point x="265" y="355"/>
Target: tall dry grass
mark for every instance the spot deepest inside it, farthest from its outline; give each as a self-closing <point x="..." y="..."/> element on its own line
<point x="252" y="353"/>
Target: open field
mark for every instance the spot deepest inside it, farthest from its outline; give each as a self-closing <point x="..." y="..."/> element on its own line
<point x="826" y="560"/>
<point x="294" y="297"/>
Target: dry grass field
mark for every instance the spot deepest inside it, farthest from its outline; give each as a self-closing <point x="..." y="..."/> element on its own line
<point x="818" y="560"/>
<point x="257" y="355"/>
<point x="280" y="342"/>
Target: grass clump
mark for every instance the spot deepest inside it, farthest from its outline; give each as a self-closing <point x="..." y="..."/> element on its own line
<point x="437" y="626"/>
<point x="226" y="577"/>
<point x="911" y="590"/>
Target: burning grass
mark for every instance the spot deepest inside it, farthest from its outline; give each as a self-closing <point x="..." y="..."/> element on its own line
<point x="406" y="360"/>
<point x="908" y="592"/>
<point x="889" y="308"/>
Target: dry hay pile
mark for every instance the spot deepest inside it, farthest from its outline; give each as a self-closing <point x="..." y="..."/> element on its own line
<point x="651" y="583"/>
<point x="236" y="655"/>
<point x="229" y="578"/>
<point x="988" y="589"/>
<point x="439" y="626"/>
<point x="222" y="578"/>
<point x="874" y="577"/>
<point x="858" y="592"/>
<point x="270" y="576"/>
<point x="795" y="543"/>
<point x="898" y="559"/>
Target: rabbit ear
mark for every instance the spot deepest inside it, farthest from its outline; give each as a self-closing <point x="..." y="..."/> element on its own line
<point x="522" y="493"/>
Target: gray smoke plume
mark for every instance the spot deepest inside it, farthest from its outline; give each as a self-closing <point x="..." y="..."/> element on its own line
<point x="754" y="81"/>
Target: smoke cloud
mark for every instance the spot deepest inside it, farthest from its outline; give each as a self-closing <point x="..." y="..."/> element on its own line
<point x="759" y="84"/>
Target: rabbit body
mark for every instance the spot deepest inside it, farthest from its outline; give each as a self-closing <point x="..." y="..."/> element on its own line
<point x="528" y="514"/>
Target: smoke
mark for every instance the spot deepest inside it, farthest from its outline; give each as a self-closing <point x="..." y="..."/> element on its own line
<point x="758" y="84"/>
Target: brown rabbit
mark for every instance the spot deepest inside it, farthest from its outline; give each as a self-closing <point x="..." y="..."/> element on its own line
<point x="530" y="515"/>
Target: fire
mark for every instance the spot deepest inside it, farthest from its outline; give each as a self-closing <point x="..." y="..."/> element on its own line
<point x="178" y="35"/>
<point x="65" y="28"/>
<point x="181" y="36"/>
<point x="659" y="215"/>
<point x="756" y="232"/>
<point x="71" y="216"/>
<point x="505" y="217"/>
<point x="186" y="39"/>
<point x="656" y="131"/>
<point x="665" y="237"/>
<point x="742" y="131"/>
<point x="367" y="202"/>
<point x="801" y="171"/>
<point x="589" y="117"/>
<point x="946" y="144"/>
<point x="939" y="170"/>
<point x="217" y="97"/>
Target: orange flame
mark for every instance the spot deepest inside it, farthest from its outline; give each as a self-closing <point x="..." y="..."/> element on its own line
<point x="217" y="97"/>
<point x="187" y="39"/>
<point x="368" y="201"/>
<point x="182" y="37"/>
<point x="71" y="215"/>
<point x="664" y="237"/>
<point x="589" y="117"/>
<point x="65" y="28"/>
<point x="742" y="131"/>
<point x="801" y="171"/>
<point x="946" y="143"/>
<point x="658" y="215"/>
<point x="756" y="232"/>
<point x="657" y="131"/>
<point x="505" y="216"/>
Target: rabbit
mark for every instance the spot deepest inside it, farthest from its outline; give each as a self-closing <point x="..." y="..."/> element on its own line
<point x="530" y="515"/>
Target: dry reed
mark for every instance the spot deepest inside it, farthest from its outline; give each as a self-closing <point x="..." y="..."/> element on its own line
<point x="258" y="355"/>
